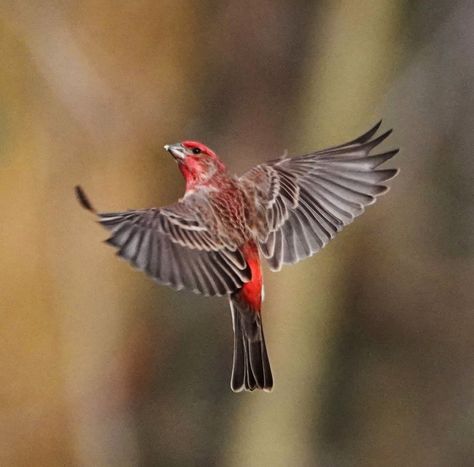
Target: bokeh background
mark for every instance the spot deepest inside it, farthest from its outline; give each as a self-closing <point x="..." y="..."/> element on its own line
<point x="371" y="341"/>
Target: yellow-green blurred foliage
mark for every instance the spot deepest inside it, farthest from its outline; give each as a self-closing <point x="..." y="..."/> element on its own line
<point x="372" y="341"/>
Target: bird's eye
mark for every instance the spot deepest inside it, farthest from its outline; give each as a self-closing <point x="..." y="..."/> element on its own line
<point x="196" y="151"/>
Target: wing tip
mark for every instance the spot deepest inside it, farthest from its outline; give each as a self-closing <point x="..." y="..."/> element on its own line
<point x="375" y="142"/>
<point x="379" y="159"/>
<point x="368" y="134"/>
<point x="393" y="173"/>
<point x="83" y="199"/>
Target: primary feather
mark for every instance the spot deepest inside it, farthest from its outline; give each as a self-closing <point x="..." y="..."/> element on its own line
<point x="306" y="200"/>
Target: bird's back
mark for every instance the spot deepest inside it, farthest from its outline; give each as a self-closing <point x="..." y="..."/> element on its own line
<point x="229" y="204"/>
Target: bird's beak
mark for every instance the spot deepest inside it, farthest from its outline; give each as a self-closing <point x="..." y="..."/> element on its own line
<point x="176" y="150"/>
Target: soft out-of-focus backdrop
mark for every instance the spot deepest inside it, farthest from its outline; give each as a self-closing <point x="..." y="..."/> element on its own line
<point x="372" y="340"/>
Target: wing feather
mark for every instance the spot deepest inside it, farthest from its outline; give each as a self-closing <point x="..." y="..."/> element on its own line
<point x="306" y="200"/>
<point x="176" y="247"/>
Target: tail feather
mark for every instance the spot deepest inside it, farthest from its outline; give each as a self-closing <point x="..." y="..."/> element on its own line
<point x="240" y="354"/>
<point x="251" y="366"/>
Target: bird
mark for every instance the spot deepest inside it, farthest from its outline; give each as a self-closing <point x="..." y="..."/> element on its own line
<point x="214" y="239"/>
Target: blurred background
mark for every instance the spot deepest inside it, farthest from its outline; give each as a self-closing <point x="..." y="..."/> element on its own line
<point x="371" y="341"/>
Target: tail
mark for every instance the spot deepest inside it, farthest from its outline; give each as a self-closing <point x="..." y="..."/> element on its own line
<point x="251" y="367"/>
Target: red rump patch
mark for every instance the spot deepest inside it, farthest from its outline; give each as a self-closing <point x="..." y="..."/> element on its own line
<point x="251" y="291"/>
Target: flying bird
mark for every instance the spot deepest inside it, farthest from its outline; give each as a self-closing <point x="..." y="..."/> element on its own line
<point x="213" y="240"/>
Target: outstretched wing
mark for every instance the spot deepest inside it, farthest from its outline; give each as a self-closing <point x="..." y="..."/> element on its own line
<point x="177" y="246"/>
<point x="304" y="201"/>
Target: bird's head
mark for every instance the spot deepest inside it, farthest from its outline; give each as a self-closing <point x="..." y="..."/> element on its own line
<point x="197" y="162"/>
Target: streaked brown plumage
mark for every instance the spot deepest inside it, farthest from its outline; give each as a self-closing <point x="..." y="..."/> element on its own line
<point x="211" y="240"/>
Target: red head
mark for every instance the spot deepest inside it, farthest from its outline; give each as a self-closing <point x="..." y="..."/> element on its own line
<point x="197" y="162"/>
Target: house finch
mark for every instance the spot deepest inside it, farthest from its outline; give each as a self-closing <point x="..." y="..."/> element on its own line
<point x="213" y="239"/>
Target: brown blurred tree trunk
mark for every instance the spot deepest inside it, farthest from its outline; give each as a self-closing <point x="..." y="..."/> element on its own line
<point x="370" y="342"/>
<point x="91" y="88"/>
<point x="339" y="92"/>
<point x="401" y="375"/>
